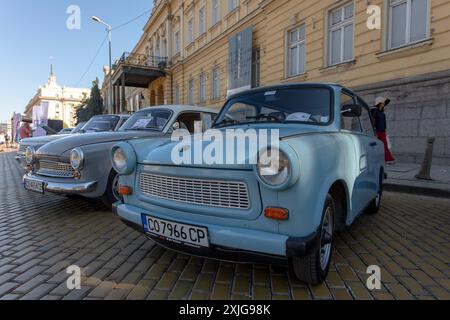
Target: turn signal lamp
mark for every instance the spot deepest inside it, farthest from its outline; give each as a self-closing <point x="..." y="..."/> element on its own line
<point x="279" y="214"/>
<point x="125" y="191"/>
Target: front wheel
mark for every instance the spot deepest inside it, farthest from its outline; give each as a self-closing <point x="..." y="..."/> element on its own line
<point x="111" y="195"/>
<point x="313" y="269"/>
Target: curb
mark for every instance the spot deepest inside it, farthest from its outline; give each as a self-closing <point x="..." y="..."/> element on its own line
<point x="422" y="191"/>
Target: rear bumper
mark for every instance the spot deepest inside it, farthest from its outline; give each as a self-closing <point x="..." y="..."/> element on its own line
<point x="231" y="244"/>
<point x="63" y="187"/>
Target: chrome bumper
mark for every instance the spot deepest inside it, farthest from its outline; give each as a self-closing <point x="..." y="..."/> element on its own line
<point x="63" y="187"/>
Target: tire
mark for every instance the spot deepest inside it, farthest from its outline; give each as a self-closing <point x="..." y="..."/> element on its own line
<point x="111" y="196"/>
<point x="313" y="269"/>
<point x="375" y="204"/>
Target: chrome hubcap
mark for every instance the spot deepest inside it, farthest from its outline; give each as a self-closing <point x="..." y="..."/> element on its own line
<point x="326" y="238"/>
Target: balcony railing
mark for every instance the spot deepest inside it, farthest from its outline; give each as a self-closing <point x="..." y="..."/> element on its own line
<point x="141" y="60"/>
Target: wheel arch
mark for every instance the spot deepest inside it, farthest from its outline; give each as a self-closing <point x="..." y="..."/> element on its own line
<point x="339" y="191"/>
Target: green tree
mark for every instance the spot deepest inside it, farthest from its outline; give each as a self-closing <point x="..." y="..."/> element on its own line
<point x="91" y="106"/>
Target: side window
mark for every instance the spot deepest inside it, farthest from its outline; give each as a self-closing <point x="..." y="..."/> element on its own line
<point x="349" y="123"/>
<point x="187" y="120"/>
<point x="208" y="120"/>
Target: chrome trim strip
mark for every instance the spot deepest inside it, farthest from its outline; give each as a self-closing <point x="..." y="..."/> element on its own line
<point x="62" y="187"/>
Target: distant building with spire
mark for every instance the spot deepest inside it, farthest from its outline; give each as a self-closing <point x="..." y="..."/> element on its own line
<point x="61" y="100"/>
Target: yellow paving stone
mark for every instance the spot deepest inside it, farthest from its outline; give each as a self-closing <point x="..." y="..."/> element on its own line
<point x="359" y="291"/>
<point x="341" y="294"/>
<point x="439" y="293"/>
<point x="347" y="273"/>
<point x="422" y="278"/>
<point x="204" y="282"/>
<point x="399" y="292"/>
<point x="301" y="293"/>
<point x="280" y="285"/>
<point x="261" y="293"/>
<point x="221" y="291"/>
<point x="380" y="295"/>
<point x="321" y="292"/>
<point x="334" y="280"/>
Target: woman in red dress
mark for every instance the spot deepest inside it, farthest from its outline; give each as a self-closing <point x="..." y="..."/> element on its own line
<point x="381" y="126"/>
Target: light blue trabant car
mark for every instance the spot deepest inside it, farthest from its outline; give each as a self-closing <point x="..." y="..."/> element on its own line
<point x="329" y="170"/>
<point x="80" y="164"/>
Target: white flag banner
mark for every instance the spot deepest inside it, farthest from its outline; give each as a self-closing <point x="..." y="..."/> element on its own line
<point x="40" y="118"/>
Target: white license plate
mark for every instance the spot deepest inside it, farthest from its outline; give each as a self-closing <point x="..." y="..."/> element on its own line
<point x="34" y="185"/>
<point x="176" y="232"/>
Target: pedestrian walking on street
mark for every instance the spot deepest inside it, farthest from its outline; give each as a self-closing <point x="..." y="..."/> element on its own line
<point x="25" y="131"/>
<point x="7" y="140"/>
<point x="379" y="117"/>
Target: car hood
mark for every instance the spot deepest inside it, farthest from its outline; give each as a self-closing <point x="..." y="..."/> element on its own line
<point x="61" y="146"/>
<point x="42" y="140"/>
<point x="169" y="153"/>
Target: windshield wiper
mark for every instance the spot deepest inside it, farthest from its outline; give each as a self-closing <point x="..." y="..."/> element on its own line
<point x="227" y="122"/>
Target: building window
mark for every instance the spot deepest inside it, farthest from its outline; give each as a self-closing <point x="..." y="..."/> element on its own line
<point x="201" y="21"/>
<point x="177" y="42"/>
<point x="341" y="26"/>
<point x="202" y="88"/>
<point x="232" y="4"/>
<point x="215" y="11"/>
<point x="191" y="92"/>
<point x="408" y="22"/>
<point x="190" y="35"/>
<point x="296" y="51"/>
<point x="215" y="87"/>
<point x="256" y="68"/>
<point x="177" y="95"/>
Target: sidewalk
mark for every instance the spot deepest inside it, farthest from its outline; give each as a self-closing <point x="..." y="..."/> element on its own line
<point x="401" y="177"/>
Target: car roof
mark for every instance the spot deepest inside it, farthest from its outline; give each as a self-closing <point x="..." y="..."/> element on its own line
<point x="286" y="86"/>
<point x="181" y="108"/>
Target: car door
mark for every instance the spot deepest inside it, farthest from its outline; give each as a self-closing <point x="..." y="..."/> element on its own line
<point x="375" y="152"/>
<point x="359" y="165"/>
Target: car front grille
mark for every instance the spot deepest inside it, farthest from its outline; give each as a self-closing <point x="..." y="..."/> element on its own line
<point x="23" y="148"/>
<point x="214" y="193"/>
<point x="55" y="169"/>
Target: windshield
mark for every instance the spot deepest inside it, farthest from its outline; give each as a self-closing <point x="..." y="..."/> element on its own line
<point x="78" y="128"/>
<point x="151" y="119"/>
<point x="101" y="124"/>
<point x="288" y="105"/>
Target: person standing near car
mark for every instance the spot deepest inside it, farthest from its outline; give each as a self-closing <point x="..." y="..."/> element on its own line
<point x="7" y="140"/>
<point x="380" y="123"/>
<point x="25" y="131"/>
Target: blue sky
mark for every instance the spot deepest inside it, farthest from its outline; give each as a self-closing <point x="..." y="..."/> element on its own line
<point x="32" y="31"/>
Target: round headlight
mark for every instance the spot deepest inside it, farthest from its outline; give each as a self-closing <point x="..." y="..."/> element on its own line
<point x="119" y="159"/>
<point x="123" y="158"/>
<point x="30" y="155"/>
<point x="76" y="159"/>
<point x="274" y="167"/>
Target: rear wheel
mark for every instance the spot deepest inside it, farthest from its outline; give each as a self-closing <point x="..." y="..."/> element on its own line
<point x="313" y="269"/>
<point x="111" y="195"/>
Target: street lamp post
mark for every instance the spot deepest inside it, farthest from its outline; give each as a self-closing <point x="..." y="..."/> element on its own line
<point x="109" y="29"/>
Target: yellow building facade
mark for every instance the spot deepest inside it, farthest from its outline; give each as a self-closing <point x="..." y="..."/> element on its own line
<point x="396" y="48"/>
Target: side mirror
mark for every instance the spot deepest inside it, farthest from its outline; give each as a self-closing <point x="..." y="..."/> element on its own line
<point x="351" y="110"/>
<point x="176" y="126"/>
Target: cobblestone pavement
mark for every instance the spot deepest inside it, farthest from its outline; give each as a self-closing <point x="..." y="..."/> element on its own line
<point x="41" y="236"/>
